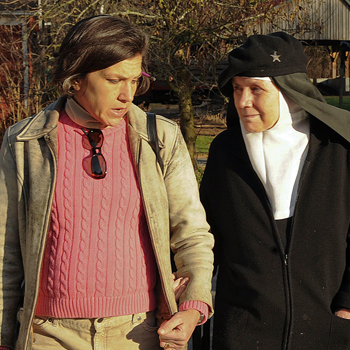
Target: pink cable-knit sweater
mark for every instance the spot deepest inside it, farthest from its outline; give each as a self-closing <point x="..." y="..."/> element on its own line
<point x="98" y="260"/>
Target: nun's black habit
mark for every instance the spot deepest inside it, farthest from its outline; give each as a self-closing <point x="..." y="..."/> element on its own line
<point x="269" y="295"/>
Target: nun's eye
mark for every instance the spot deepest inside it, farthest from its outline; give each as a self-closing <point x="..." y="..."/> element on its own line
<point x="257" y="89"/>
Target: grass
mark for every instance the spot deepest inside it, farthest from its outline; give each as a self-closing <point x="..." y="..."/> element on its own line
<point x="334" y="101"/>
<point x="199" y="175"/>
<point x="202" y="146"/>
<point x="203" y="143"/>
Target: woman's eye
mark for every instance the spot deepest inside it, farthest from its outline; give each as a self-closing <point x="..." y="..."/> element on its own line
<point x="113" y="81"/>
<point x="257" y="89"/>
<point x="237" y="88"/>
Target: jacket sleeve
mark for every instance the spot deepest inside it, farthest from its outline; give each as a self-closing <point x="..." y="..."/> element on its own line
<point x="11" y="267"/>
<point x="191" y="240"/>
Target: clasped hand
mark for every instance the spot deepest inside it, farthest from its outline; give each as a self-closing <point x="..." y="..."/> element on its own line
<point x="175" y="333"/>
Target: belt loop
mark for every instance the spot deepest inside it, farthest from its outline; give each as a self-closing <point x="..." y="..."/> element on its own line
<point x="54" y="321"/>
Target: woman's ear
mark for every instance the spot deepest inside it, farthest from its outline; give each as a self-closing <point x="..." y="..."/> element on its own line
<point x="76" y="85"/>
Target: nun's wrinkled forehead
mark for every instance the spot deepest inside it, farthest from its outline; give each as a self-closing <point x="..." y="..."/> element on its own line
<point x="264" y="56"/>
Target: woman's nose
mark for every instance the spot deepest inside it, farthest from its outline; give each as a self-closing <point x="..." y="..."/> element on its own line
<point x="127" y="92"/>
<point x="245" y="99"/>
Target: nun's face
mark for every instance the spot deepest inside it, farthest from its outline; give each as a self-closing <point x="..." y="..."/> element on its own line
<point x="257" y="103"/>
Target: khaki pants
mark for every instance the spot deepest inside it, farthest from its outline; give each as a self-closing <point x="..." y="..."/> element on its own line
<point x="131" y="332"/>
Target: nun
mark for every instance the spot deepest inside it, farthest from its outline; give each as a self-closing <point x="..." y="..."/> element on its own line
<point x="276" y="190"/>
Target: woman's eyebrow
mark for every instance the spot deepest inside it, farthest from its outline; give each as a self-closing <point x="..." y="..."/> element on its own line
<point x="121" y="77"/>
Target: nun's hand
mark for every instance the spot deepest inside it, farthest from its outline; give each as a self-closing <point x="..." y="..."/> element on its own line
<point x="343" y="313"/>
<point x="179" y="285"/>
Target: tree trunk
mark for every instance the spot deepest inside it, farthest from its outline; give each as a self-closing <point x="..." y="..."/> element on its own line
<point x="187" y="121"/>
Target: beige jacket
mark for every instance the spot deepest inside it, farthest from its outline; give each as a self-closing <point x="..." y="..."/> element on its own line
<point x="28" y="167"/>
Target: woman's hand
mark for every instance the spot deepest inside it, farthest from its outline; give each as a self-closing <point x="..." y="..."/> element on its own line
<point x="175" y="333"/>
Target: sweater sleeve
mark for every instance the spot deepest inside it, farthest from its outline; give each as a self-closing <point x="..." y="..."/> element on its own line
<point x="201" y="307"/>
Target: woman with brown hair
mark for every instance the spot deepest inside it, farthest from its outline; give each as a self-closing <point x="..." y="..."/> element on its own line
<point x="88" y="216"/>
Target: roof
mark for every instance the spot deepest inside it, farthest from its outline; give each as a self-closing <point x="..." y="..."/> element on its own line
<point x="321" y="21"/>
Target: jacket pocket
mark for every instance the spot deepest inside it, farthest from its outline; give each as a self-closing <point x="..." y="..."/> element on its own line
<point x="150" y="322"/>
<point x="42" y="322"/>
<point x="339" y="335"/>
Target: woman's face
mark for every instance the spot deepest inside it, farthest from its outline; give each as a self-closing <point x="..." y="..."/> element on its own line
<point x="257" y="103"/>
<point x="107" y="94"/>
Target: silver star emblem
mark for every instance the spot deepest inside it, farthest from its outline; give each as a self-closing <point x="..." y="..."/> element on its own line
<point x="275" y="57"/>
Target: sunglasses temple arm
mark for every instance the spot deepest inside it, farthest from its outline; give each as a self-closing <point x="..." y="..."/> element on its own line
<point x="85" y="132"/>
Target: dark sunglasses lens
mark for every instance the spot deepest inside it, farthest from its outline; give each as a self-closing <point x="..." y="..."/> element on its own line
<point x="98" y="166"/>
<point x="95" y="138"/>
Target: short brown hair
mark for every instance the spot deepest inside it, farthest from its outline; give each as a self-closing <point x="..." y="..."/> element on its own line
<point x="96" y="43"/>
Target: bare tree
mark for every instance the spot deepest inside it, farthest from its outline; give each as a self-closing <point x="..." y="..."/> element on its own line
<point x="188" y="39"/>
<point x="30" y="35"/>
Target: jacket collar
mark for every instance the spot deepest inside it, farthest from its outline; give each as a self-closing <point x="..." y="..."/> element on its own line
<point x="137" y="121"/>
<point x="46" y="121"/>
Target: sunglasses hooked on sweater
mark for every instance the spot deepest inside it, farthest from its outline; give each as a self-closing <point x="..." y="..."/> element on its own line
<point x="98" y="161"/>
